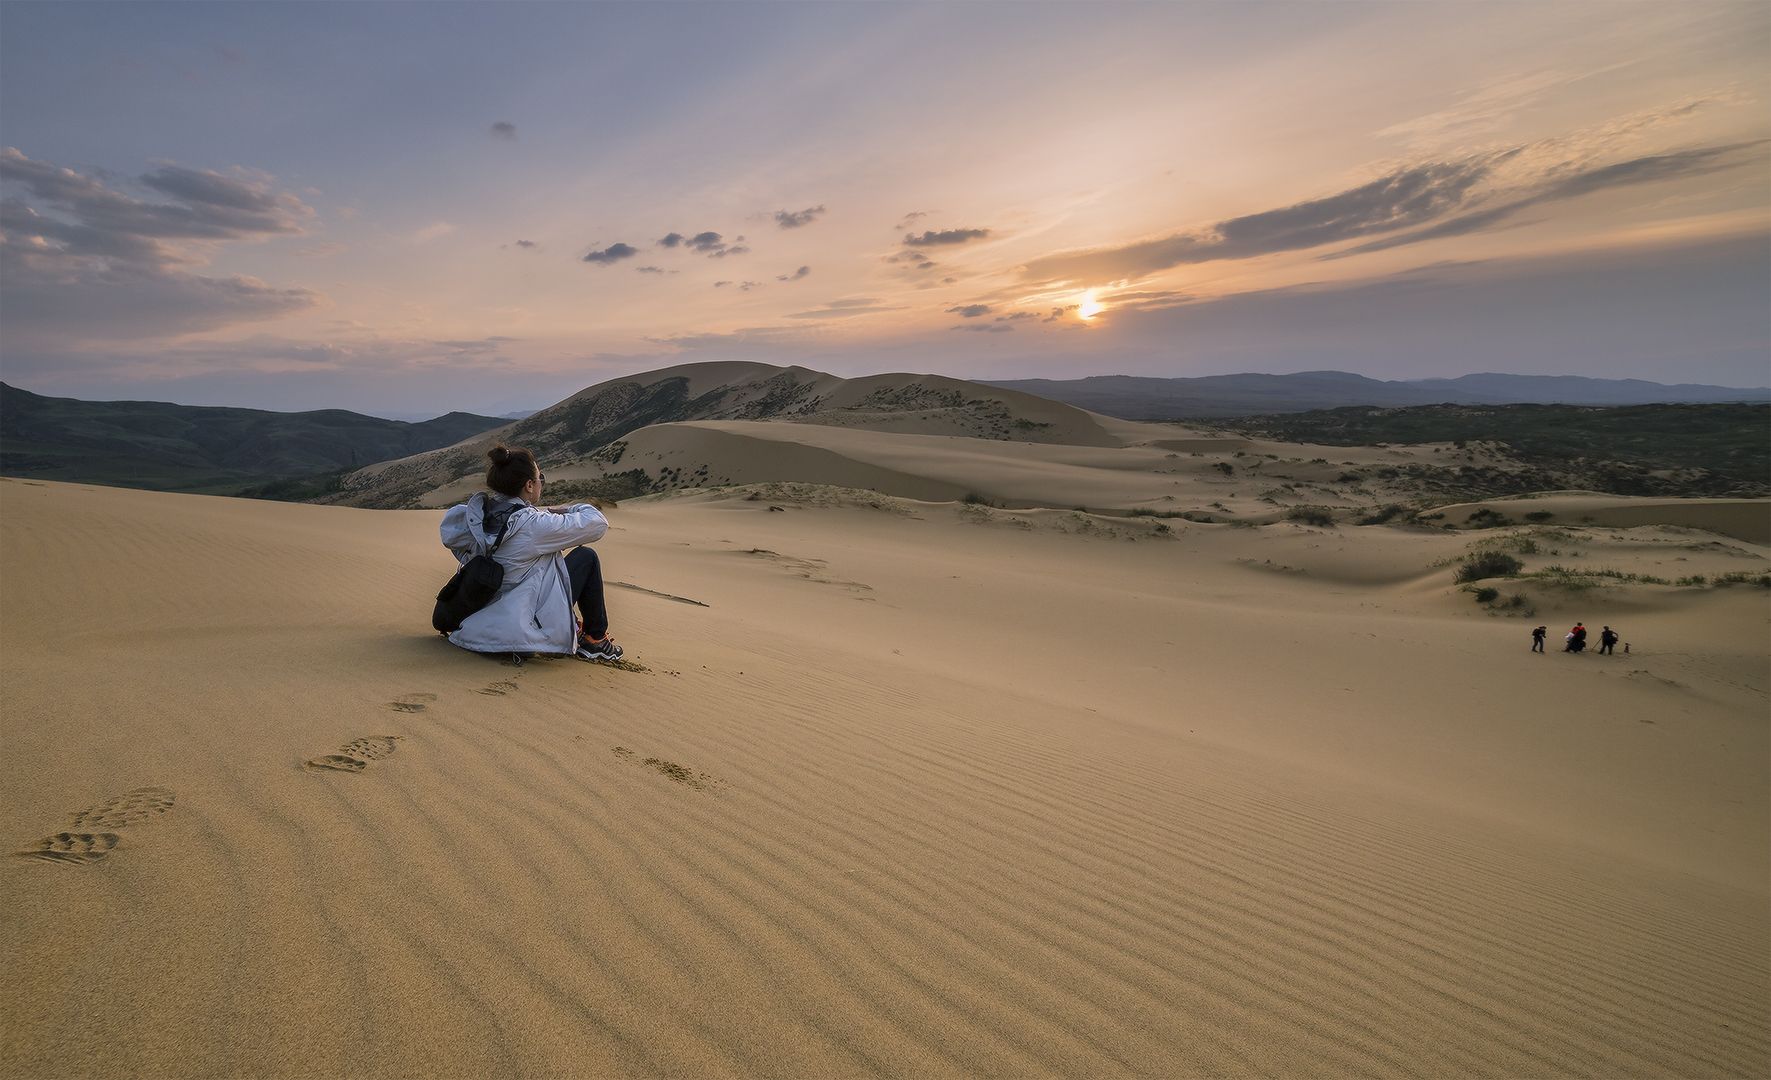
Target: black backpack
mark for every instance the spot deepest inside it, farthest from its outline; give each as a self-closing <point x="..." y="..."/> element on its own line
<point x="472" y="588"/>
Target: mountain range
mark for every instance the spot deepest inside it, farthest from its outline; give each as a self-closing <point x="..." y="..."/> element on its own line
<point x="218" y="451"/>
<point x="1134" y="397"/>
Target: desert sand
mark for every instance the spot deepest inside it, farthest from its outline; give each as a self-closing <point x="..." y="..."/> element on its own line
<point x="892" y="787"/>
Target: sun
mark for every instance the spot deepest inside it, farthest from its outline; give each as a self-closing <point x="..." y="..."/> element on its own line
<point x="1090" y="307"/>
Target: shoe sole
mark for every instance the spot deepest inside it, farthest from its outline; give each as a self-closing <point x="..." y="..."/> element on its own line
<point x="593" y="657"/>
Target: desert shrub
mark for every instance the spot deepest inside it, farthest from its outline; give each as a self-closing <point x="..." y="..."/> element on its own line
<point x="1224" y="467"/>
<point x="972" y="498"/>
<point x="1387" y="513"/>
<point x="1487" y="516"/>
<point x="1539" y="515"/>
<point x="1693" y="579"/>
<point x="1311" y="515"/>
<point x="1740" y="577"/>
<point x="1347" y="478"/>
<point x="1488" y="564"/>
<point x="1486" y="595"/>
<point x="1162" y="528"/>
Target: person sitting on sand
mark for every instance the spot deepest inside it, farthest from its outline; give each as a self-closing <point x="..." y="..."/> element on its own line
<point x="1607" y="638"/>
<point x="545" y="571"/>
<point x="1577" y="639"/>
<point x="1537" y="637"/>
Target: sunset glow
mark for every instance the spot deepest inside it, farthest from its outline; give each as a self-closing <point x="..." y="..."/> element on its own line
<point x="539" y="197"/>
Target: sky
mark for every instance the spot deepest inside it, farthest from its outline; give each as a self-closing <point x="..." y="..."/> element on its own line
<point x="411" y="208"/>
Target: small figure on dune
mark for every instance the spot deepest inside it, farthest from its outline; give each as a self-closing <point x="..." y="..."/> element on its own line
<point x="1577" y="639"/>
<point x="546" y="572"/>
<point x="1537" y="637"/>
<point x="1607" y="638"/>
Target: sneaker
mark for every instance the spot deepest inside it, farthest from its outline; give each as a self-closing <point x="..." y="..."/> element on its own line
<point x="605" y="649"/>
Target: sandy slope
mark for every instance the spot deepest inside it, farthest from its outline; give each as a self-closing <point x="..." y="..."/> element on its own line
<point x="924" y="789"/>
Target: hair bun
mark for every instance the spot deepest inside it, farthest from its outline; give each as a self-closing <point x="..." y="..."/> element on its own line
<point x="499" y="455"/>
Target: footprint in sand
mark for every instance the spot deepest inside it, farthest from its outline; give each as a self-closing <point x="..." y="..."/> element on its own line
<point x="497" y="689"/>
<point x="121" y="811"/>
<point x="72" y="847"/>
<point x="680" y="774"/>
<point x="133" y="807"/>
<point x="411" y="703"/>
<point x="355" y="756"/>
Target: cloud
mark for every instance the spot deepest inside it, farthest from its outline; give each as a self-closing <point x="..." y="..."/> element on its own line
<point x="1641" y="311"/>
<point x="916" y="259"/>
<point x="983" y="328"/>
<point x="1058" y="313"/>
<point x="910" y="219"/>
<point x="793" y="219"/>
<point x="1401" y="198"/>
<point x="710" y="244"/>
<point x="1642" y="170"/>
<point x="751" y="336"/>
<point x="504" y="129"/>
<point x="649" y="269"/>
<point x="82" y="260"/>
<point x="944" y="237"/>
<point x="614" y="253"/>
<point x="321" y="250"/>
<point x="969" y="311"/>
<point x="749" y="285"/>
<point x="1016" y="317"/>
<point x="526" y="243"/>
<point x="842" y="309"/>
<point x="795" y="276"/>
<point x="207" y="206"/>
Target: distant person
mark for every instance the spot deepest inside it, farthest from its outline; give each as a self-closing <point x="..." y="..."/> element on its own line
<point x="545" y="571"/>
<point x="1607" y="638"/>
<point x="1537" y="637"/>
<point x="1577" y="639"/>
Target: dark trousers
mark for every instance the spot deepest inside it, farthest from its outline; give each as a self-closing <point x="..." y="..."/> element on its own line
<point x="1605" y="647"/>
<point x="1537" y="644"/>
<point x="586" y="571"/>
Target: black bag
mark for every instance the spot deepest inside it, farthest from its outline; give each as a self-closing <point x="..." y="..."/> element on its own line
<point x="472" y="588"/>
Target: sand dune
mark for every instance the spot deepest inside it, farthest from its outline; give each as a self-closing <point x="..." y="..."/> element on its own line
<point x="1747" y="519"/>
<point x="912" y="788"/>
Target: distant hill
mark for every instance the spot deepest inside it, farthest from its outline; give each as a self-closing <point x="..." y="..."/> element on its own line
<point x="1134" y="397"/>
<point x="218" y="451"/>
<point x="590" y="420"/>
<point x="1677" y="450"/>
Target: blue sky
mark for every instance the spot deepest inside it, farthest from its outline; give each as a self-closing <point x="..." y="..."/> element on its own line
<point x="389" y="207"/>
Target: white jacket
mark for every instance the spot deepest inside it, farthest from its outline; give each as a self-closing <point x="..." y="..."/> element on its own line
<point x="533" y="609"/>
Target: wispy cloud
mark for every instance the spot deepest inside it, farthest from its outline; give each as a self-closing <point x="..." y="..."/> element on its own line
<point x="504" y="129"/>
<point x="970" y="311"/>
<point x="614" y="253"/>
<point x="83" y="260"/>
<point x="847" y="308"/>
<point x="793" y="219"/>
<point x="795" y="276"/>
<point x="1642" y="170"/>
<point x="1407" y="196"/>
<point x="944" y="237"/>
